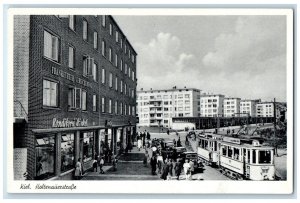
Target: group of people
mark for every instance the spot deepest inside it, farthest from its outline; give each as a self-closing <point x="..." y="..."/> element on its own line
<point x="167" y="165"/>
<point x="143" y="140"/>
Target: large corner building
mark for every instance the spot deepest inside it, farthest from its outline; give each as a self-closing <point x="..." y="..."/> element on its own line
<point x="74" y="92"/>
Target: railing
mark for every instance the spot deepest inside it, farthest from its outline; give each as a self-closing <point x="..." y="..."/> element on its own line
<point x="19" y="110"/>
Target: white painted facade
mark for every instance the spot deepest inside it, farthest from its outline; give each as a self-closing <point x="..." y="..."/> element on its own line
<point x="212" y="105"/>
<point x="232" y="107"/>
<point x="248" y="107"/>
<point x="158" y="107"/>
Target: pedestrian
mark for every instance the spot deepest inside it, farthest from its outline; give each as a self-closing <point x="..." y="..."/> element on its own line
<point x="95" y="164"/>
<point x="139" y="143"/>
<point x="153" y="162"/>
<point x="177" y="168"/>
<point x="78" y="170"/>
<point x="165" y="171"/>
<point x="146" y="157"/>
<point x="192" y="167"/>
<point x="168" y="131"/>
<point x="144" y="139"/>
<point x="114" y="162"/>
<point x="148" y="136"/>
<point x="101" y="163"/>
<point x="170" y="169"/>
<point x="186" y="169"/>
<point x="179" y="142"/>
<point x="160" y="162"/>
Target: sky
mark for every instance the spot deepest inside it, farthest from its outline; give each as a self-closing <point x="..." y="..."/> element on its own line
<point x="238" y="56"/>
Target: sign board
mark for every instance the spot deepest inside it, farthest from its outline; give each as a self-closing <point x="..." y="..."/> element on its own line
<point x="68" y="123"/>
<point x="232" y="140"/>
<point x="20" y="163"/>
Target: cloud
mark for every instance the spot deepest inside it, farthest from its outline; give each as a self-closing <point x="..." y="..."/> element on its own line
<point x="162" y="62"/>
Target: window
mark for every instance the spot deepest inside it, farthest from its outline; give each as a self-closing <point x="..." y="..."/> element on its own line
<point x="103" y="20"/>
<point x="83" y="100"/>
<point x="110" y="29"/>
<point x="50" y="93"/>
<point x="133" y="110"/>
<point x="95" y="40"/>
<point x="72" y="98"/>
<point x="116" y="107"/>
<point x="125" y="88"/>
<point x="103" y="105"/>
<point x="71" y="57"/>
<point x="117" y="36"/>
<point x="125" y="109"/>
<point x="103" y="47"/>
<point x="125" y="48"/>
<point x="85" y="30"/>
<point x="110" y="80"/>
<point x="116" y="60"/>
<point x="129" y="110"/>
<point x="110" y="55"/>
<point x="187" y="96"/>
<point x="133" y="75"/>
<point x="264" y="157"/>
<point x="121" y="108"/>
<point x="51" y="46"/>
<point x="72" y="22"/>
<point x="121" y="90"/>
<point x="94" y="102"/>
<point x="95" y="72"/>
<point x="125" y="69"/>
<point x="109" y="106"/>
<point x="129" y="72"/>
<point x="116" y="83"/>
<point x="121" y="44"/>
<point x="129" y="55"/>
<point x="132" y="58"/>
<point x="45" y="157"/>
<point x="132" y="93"/>
<point x="121" y="65"/>
<point x="85" y="65"/>
<point x="103" y="76"/>
<point x="67" y="152"/>
<point x="254" y="156"/>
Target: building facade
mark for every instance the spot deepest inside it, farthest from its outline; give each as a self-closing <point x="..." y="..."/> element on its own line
<point x="267" y="109"/>
<point x="248" y="107"/>
<point x="74" y="91"/>
<point x="212" y="105"/>
<point x="232" y="107"/>
<point x="158" y="107"/>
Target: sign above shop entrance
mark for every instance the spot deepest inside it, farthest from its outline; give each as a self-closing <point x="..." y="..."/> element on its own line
<point x="68" y="123"/>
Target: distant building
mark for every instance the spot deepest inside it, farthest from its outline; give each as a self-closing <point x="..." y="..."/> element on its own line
<point x="232" y="107"/>
<point x="158" y="107"/>
<point x="212" y="105"/>
<point x="248" y="107"/>
<point x="266" y="109"/>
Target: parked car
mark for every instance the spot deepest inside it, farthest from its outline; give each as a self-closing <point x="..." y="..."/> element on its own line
<point x="194" y="157"/>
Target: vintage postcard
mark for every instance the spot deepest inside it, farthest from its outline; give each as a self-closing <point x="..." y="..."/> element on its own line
<point x="186" y="101"/>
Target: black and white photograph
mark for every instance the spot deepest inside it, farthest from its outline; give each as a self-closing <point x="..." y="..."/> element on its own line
<point x="164" y="98"/>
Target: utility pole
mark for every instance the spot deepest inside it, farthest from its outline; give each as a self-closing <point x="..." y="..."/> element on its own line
<point x="274" y="138"/>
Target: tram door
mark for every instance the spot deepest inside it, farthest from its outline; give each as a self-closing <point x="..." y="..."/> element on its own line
<point x="247" y="163"/>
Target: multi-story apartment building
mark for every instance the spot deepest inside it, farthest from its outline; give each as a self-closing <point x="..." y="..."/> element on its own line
<point x="266" y="109"/>
<point x="232" y="107"/>
<point x="158" y="107"/>
<point x="74" y="91"/>
<point x="248" y="107"/>
<point x="212" y="105"/>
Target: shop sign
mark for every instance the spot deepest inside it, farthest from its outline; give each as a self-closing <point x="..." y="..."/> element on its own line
<point x="69" y="123"/>
<point x="232" y="140"/>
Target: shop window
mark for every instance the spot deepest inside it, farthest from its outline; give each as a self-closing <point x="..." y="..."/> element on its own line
<point x="67" y="152"/>
<point x="51" y="46"/>
<point x="45" y="157"/>
<point x="88" y="146"/>
<point x="50" y="93"/>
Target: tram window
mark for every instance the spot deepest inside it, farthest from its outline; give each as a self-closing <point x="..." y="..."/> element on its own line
<point x="236" y="153"/>
<point x="215" y="146"/>
<point x="224" y="150"/>
<point x="248" y="156"/>
<point x="230" y="152"/>
<point x="264" y="157"/>
<point x="254" y="156"/>
<point x="205" y="144"/>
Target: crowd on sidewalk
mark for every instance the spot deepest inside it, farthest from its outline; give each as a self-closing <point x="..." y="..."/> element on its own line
<point x="162" y="159"/>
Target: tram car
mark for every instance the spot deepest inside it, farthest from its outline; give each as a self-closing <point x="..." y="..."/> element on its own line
<point x="208" y="148"/>
<point x="240" y="159"/>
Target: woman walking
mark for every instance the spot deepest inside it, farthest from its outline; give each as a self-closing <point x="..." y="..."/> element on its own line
<point x="78" y="169"/>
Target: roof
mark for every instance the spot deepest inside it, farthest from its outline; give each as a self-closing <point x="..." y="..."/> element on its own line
<point x="212" y="95"/>
<point x="232" y="98"/>
<point x="168" y="90"/>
